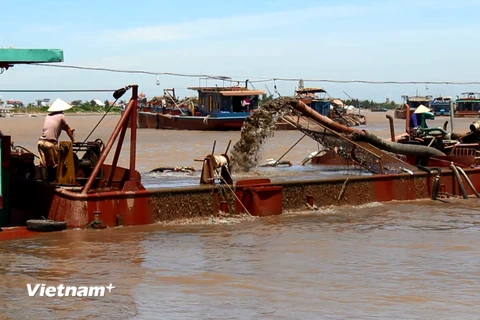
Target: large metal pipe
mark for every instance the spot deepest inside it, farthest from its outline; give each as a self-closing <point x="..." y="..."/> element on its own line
<point x="362" y="135"/>
<point x="400" y="148"/>
<point x="452" y="116"/>
<point x="326" y="121"/>
<point x="407" y="117"/>
<point x="392" y="127"/>
<point x="133" y="133"/>
<point x="475" y="126"/>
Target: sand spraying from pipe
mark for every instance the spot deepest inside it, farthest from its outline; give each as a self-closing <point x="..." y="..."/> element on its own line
<point x="257" y="128"/>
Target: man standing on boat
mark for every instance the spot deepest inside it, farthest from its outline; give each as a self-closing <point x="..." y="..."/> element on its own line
<point x="55" y="123"/>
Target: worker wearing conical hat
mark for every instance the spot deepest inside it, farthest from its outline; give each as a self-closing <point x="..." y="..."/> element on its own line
<point x="54" y="124"/>
<point x="421" y="109"/>
<point x="416" y="116"/>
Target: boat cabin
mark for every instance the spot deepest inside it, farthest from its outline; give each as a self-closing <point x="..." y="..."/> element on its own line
<point x="468" y="101"/>
<point x="411" y="103"/>
<point x="415" y="101"/>
<point x="316" y="99"/>
<point x="441" y="106"/>
<point x="224" y="100"/>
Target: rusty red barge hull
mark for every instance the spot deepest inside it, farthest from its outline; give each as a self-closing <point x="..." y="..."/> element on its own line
<point x="166" y="204"/>
<point x="153" y="120"/>
<point x="197" y="123"/>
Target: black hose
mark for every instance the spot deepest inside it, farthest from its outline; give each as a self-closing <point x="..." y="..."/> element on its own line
<point x="427" y="170"/>
<point x="459" y="179"/>
<point x="400" y="148"/>
<point x="430" y="170"/>
<point x="436" y="181"/>
<point x="464" y="174"/>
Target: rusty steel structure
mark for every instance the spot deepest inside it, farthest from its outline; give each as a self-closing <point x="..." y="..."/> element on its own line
<point x="364" y="156"/>
<point x="117" y="195"/>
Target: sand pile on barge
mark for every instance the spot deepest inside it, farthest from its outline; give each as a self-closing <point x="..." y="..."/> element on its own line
<point x="255" y="130"/>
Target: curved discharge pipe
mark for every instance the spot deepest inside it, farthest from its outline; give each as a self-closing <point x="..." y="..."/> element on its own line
<point x="459" y="180"/>
<point x="464" y="174"/>
<point x="392" y="127"/>
<point x="362" y="135"/>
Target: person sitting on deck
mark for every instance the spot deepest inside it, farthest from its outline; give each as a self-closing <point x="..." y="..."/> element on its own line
<point x="54" y="124"/>
<point x="245" y="104"/>
<point x="416" y="117"/>
<point x="414" y="120"/>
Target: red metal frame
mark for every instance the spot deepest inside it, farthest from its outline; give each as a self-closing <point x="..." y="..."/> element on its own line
<point x="128" y="119"/>
<point x="116" y="156"/>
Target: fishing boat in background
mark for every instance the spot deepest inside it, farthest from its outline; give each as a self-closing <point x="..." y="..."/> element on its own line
<point x="441" y="106"/>
<point x="215" y="109"/>
<point x="411" y="102"/>
<point x="467" y="105"/>
<point x="378" y="109"/>
<point x="315" y="98"/>
<point x="335" y="109"/>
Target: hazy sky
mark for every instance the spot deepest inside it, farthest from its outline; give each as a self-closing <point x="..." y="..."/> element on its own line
<point x="404" y="40"/>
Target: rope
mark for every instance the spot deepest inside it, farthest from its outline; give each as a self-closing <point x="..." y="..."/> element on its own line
<point x="259" y="79"/>
<point x="98" y="123"/>
<point x="233" y="192"/>
<point x="283" y="155"/>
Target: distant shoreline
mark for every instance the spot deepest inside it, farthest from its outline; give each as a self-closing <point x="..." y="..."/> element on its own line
<point x="69" y="114"/>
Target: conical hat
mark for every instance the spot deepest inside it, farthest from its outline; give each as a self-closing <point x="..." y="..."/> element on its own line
<point x="59" y="105"/>
<point x="337" y="102"/>
<point x="421" y="109"/>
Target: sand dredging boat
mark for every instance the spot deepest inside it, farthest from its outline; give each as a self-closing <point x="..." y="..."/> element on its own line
<point x="88" y="192"/>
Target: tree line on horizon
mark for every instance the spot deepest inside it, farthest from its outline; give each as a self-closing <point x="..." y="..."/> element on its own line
<point x="79" y="106"/>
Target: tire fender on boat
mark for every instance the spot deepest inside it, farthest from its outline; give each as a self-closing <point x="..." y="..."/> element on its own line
<point x="46" y="225"/>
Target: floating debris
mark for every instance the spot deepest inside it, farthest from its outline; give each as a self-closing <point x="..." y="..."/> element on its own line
<point x="275" y="163"/>
<point x="173" y="169"/>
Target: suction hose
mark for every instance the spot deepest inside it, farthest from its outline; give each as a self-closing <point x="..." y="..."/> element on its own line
<point x="436" y="181"/>
<point x="391" y="146"/>
<point x="459" y="180"/>
<point x="399" y="148"/>
<point x="464" y="174"/>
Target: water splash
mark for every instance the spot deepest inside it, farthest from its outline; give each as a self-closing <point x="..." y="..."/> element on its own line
<point x="257" y="128"/>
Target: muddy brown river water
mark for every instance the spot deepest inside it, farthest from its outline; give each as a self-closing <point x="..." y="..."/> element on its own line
<point x="399" y="260"/>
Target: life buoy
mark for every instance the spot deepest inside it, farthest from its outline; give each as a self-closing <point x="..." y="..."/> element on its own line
<point x="46" y="225"/>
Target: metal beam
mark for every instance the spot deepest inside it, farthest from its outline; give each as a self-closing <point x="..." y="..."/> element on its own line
<point x="24" y="56"/>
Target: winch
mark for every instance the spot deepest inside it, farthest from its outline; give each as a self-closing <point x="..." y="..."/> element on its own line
<point x="72" y="170"/>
